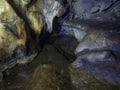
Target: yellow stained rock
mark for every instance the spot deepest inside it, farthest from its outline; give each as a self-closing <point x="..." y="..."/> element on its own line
<point x="8" y="41"/>
<point x="12" y="31"/>
<point x="6" y="12"/>
<point x="35" y="19"/>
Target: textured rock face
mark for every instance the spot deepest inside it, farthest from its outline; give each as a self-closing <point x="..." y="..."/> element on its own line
<point x="87" y="30"/>
<point x="97" y="9"/>
<point x="59" y="78"/>
<point x="30" y="14"/>
<point x="5" y="11"/>
<point x="13" y="38"/>
<point x="12" y="35"/>
<point x="84" y="81"/>
<point x="33" y="10"/>
<point x="50" y="9"/>
<point x="98" y="52"/>
<point x="49" y="71"/>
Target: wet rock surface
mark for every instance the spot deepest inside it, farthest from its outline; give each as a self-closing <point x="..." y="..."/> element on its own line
<point x="59" y="45"/>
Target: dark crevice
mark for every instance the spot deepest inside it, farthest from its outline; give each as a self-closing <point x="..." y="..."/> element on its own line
<point x="56" y="25"/>
<point x="17" y="9"/>
<point x="12" y="30"/>
<point x="68" y="57"/>
<point x="43" y="38"/>
<point x="64" y="2"/>
<point x="108" y="7"/>
<point x="31" y="2"/>
<point x="113" y="3"/>
<point x="31" y="39"/>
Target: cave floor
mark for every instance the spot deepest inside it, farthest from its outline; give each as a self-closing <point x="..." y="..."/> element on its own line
<point x="53" y="74"/>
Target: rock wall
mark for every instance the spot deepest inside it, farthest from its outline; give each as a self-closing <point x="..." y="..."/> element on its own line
<point x="71" y="44"/>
